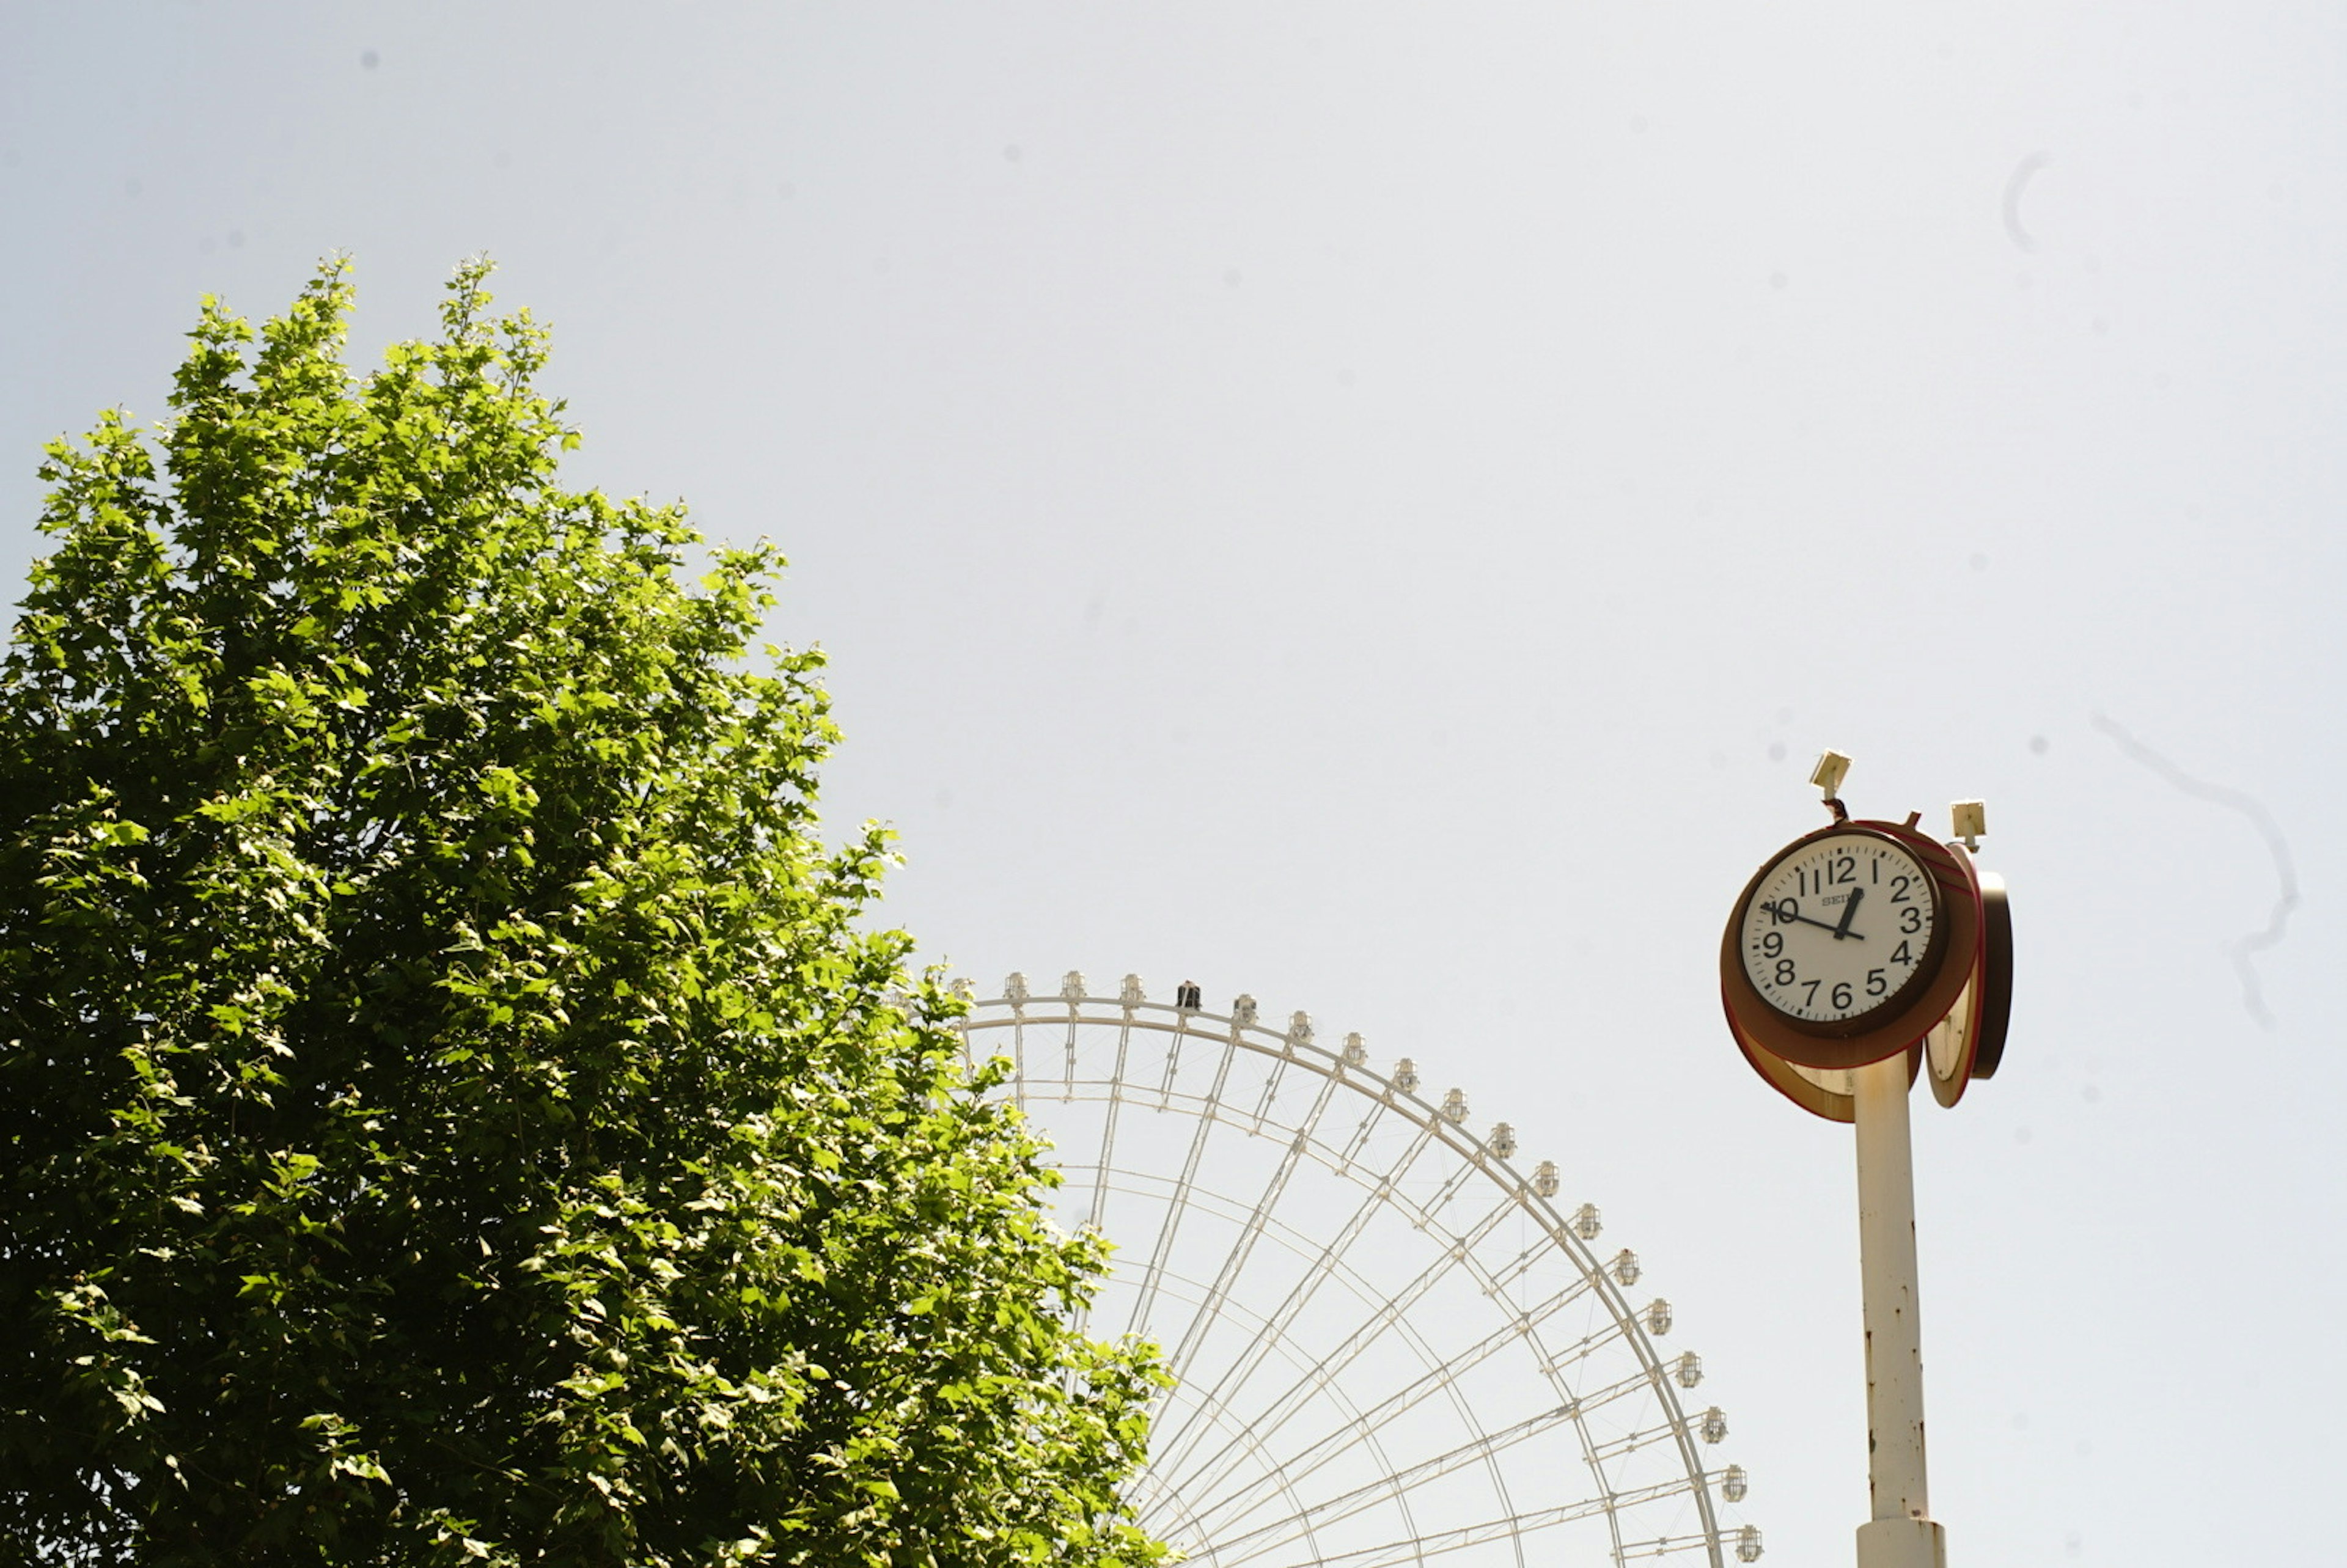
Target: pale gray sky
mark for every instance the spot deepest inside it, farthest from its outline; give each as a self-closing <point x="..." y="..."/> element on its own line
<point x="1377" y="507"/>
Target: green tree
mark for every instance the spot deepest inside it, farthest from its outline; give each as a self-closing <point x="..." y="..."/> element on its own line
<point x="451" y="1112"/>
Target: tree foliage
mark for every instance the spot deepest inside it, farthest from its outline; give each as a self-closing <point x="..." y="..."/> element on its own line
<point x="451" y="1112"/>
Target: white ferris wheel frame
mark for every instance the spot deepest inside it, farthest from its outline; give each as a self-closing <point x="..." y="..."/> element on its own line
<point x="1035" y="1078"/>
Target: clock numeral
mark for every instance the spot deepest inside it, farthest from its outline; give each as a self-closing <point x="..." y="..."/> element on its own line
<point x="1772" y="943"/>
<point x="1875" y="984"/>
<point x="1784" y="975"/>
<point x="1785" y="911"/>
<point x="1900" y="955"/>
<point x="1899" y="889"/>
<point x="1911" y="920"/>
<point x="1845" y="867"/>
<point x="1842" y="997"/>
<point x="1811" y="999"/>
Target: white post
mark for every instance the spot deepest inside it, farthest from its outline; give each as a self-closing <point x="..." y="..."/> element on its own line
<point x="1901" y="1534"/>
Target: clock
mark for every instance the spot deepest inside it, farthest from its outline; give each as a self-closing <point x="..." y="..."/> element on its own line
<point x="1969" y="1043"/>
<point x="1849" y="944"/>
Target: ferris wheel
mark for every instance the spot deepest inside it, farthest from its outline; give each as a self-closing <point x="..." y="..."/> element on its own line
<point x="1389" y="1346"/>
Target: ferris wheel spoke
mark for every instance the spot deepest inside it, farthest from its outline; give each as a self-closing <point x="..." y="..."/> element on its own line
<point x="1278" y="1532"/>
<point x="1359" y="1139"/>
<point x="1153" y="1491"/>
<point x="1362" y="1433"/>
<point x="1171" y="1222"/>
<point x="1252" y="1231"/>
<point x="1244" y="1432"/>
<point x="1181" y="1033"/>
<point x="1109" y="1120"/>
<point x="1322" y="1268"/>
<point x="1666" y="1545"/>
<point x="1298" y="1395"/>
<point x="1080" y="1319"/>
<point x="1635" y="1383"/>
<point x="1182" y="1524"/>
<point x="1516" y="1268"/>
<point x="1271" y="1085"/>
<point x="1390" y="1313"/>
<point x="1415" y="1548"/>
<point x="1328" y="1265"/>
<point x="1200" y="1544"/>
<point x="1342" y="1439"/>
<point x="1433" y="1208"/>
<point x="1151" y="1509"/>
<point x="1645" y="1437"/>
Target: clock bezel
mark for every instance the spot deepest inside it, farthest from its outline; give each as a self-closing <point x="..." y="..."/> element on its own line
<point x="1799" y="1084"/>
<point x="1893" y="1025"/>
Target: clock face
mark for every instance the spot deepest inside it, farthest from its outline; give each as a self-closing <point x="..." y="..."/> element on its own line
<point x="1840" y="928"/>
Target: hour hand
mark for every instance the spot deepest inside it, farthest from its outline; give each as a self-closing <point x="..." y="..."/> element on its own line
<point x="1847" y="911"/>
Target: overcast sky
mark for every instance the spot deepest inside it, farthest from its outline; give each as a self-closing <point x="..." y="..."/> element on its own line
<point x="1380" y="507"/>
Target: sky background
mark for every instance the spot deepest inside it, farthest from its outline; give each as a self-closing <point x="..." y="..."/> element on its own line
<point x="1380" y="507"/>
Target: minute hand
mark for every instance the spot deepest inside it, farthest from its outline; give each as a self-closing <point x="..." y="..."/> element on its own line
<point x="1777" y="912"/>
<point x="1847" y="911"/>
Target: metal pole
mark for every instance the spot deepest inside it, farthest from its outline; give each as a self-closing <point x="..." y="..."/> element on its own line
<point x="1901" y="1534"/>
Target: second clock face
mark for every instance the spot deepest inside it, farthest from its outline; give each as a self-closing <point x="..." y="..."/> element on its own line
<point x="1839" y="928"/>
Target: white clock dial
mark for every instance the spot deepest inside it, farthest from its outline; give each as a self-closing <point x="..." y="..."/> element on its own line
<point x="1839" y="927"/>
